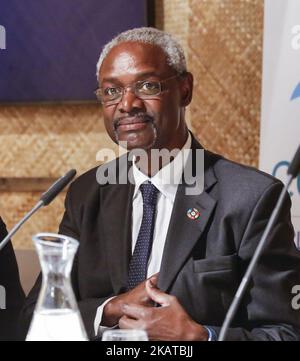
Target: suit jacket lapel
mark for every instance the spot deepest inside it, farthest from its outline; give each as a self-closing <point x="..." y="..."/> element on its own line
<point x="116" y="212"/>
<point x="184" y="232"/>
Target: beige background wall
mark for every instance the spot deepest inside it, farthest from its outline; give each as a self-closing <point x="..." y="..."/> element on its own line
<point x="223" y="43"/>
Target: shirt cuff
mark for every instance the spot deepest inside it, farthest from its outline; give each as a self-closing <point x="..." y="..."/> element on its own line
<point x="212" y="335"/>
<point x="98" y="329"/>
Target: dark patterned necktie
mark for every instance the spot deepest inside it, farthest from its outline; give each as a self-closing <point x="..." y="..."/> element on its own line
<point x="139" y="260"/>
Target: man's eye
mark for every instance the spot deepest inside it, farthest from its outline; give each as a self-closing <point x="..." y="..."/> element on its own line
<point x="150" y="85"/>
<point x="111" y="92"/>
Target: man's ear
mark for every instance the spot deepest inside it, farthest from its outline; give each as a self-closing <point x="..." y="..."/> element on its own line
<point x="187" y="89"/>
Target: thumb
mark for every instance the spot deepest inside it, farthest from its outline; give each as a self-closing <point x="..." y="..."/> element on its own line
<point x="157" y="295"/>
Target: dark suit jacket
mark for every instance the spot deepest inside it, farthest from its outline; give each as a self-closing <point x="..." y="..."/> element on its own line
<point x="203" y="260"/>
<point x="9" y="279"/>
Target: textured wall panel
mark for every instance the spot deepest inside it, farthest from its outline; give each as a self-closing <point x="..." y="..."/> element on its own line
<point x="14" y="205"/>
<point x="173" y="17"/>
<point x="40" y="141"/>
<point x="45" y="141"/>
<point x="225" y="55"/>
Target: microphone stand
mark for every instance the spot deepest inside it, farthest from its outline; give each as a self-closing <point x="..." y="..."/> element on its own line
<point x="20" y="223"/>
<point x="45" y="199"/>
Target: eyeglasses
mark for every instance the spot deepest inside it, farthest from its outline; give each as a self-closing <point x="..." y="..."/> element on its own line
<point x="144" y="89"/>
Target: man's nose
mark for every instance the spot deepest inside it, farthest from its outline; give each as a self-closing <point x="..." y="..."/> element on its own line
<point x="130" y="101"/>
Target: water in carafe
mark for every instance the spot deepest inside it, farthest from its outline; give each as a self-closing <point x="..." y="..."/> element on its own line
<point x="56" y="316"/>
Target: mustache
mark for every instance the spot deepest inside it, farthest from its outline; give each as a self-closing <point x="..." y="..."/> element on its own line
<point x="144" y="117"/>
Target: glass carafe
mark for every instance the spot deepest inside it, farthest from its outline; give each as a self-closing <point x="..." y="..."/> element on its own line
<point x="56" y="316"/>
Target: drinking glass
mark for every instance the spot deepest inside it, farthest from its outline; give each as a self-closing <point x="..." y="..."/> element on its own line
<point x="124" y="335"/>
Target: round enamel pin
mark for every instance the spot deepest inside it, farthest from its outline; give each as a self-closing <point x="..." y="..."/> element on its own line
<point x="193" y="213"/>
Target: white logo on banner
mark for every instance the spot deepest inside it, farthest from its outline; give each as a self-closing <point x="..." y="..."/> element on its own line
<point x="280" y="122"/>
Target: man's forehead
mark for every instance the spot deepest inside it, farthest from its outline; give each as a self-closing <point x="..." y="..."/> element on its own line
<point x="133" y="57"/>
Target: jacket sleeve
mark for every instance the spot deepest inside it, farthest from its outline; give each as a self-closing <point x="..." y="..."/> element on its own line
<point x="69" y="226"/>
<point x="266" y="311"/>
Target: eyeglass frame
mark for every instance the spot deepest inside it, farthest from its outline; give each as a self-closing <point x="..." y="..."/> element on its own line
<point x="133" y="86"/>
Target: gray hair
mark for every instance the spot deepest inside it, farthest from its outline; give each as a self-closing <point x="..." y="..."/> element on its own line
<point x="173" y="50"/>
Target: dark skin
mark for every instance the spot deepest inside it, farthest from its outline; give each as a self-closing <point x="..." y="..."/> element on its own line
<point x="169" y="322"/>
<point x="130" y="62"/>
<point x="113" y="310"/>
<point x="162" y="125"/>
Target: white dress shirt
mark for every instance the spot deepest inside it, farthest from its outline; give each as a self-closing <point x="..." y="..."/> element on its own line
<point x="167" y="187"/>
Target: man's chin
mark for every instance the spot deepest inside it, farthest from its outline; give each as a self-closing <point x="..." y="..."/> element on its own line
<point x="136" y="141"/>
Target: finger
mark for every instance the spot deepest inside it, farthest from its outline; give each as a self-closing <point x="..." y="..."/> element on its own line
<point x="135" y="311"/>
<point x="157" y="295"/>
<point x="153" y="279"/>
<point x="128" y="323"/>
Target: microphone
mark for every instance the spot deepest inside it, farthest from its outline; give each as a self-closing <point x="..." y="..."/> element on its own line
<point x="46" y="198"/>
<point x="57" y="187"/>
<point x="293" y="171"/>
<point x="294" y="167"/>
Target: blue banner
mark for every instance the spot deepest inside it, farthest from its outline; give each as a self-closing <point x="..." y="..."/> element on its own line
<point x="50" y="47"/>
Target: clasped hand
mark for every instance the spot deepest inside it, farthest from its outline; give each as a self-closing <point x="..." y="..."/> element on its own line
<point x="136" y="309"/>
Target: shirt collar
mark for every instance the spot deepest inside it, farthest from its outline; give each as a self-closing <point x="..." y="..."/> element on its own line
<point x="166" y="180"/>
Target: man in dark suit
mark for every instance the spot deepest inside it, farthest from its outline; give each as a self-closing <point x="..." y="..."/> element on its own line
<point x="11" y="293"/>
<point x="193" y="248"/>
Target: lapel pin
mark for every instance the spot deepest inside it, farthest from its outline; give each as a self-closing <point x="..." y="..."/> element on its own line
<point x="193" y="213"/>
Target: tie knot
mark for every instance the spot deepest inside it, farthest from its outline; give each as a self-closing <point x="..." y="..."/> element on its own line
<point x="149" y="193"/>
